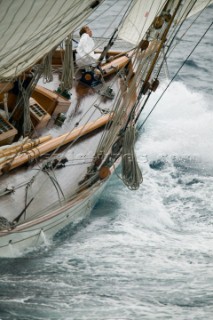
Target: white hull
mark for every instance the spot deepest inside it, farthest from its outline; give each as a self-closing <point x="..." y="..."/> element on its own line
<point x="30" y="235"/>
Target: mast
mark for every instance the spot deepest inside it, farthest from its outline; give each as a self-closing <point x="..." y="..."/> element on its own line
<point x="162" y="40"/>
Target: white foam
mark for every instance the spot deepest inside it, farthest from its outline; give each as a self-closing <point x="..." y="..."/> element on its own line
<point x="180" y="127"/>
<point x="181" y="124"/>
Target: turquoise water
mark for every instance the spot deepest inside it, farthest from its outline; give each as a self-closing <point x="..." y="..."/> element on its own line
<point x="144" y="254"/>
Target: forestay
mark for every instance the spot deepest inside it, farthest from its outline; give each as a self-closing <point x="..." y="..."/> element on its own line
<point x="29" y="29"/>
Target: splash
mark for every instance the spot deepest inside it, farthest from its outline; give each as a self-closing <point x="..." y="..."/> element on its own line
<point x="175" y="154"/>
<point x="181" y="125"/>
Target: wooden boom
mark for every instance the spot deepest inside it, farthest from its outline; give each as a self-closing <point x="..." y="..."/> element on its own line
<point x="23" y="146"/>
<point x="55" y="143"/>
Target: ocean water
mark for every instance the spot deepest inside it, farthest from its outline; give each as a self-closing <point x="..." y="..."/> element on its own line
<point x="146" y="254"/>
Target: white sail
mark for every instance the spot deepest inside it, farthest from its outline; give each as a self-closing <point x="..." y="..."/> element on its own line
<point x="190" y="8"/>
<point x="29" y="29"/>
<point x="200" y="5"/>
<point x="143" y="12"/>
<point x="139" y="19"/>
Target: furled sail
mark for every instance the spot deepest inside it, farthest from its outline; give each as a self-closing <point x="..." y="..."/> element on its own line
<point x="30" y="29"/>
<point x="139" y="18"/>
<point x="143" y="12"/>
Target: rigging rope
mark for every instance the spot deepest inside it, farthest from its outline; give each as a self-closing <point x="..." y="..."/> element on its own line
<point x="189" y="27"/>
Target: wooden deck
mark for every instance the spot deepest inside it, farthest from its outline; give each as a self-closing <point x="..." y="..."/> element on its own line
<point x="88" y="104"/>
<point x="84" y="109"/>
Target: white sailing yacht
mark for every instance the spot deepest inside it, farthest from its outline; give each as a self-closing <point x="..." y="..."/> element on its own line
<point x="58" y="148"/>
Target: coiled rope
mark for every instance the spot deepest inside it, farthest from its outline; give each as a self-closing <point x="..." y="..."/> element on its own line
<point x="48" y="72"/>
<point x="68" y="66"/>
<point x="131" y="173"/>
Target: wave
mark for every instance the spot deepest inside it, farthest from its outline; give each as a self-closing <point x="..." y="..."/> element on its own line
<point x="181" y="125"/>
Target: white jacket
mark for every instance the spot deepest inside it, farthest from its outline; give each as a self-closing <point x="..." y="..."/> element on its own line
<point x="85" y="54"/>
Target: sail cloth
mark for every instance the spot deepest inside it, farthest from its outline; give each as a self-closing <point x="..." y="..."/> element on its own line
<point x="30" y="29"/>
<point x="139" y="19"/>
<point x="143" y="12"/>
<point x="200" y="5"/>
<point x="190" y="8"/>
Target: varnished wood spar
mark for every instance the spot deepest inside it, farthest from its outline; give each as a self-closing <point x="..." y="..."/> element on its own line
<point x="152" y="48"/>
<point x="121" y="59"/>
<point x="115" y="65"/>
<point x="110" y="52"/>
<point x="58" y="56"/>
<point x="55" y="143"/>
<point x="23" y="146"/>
